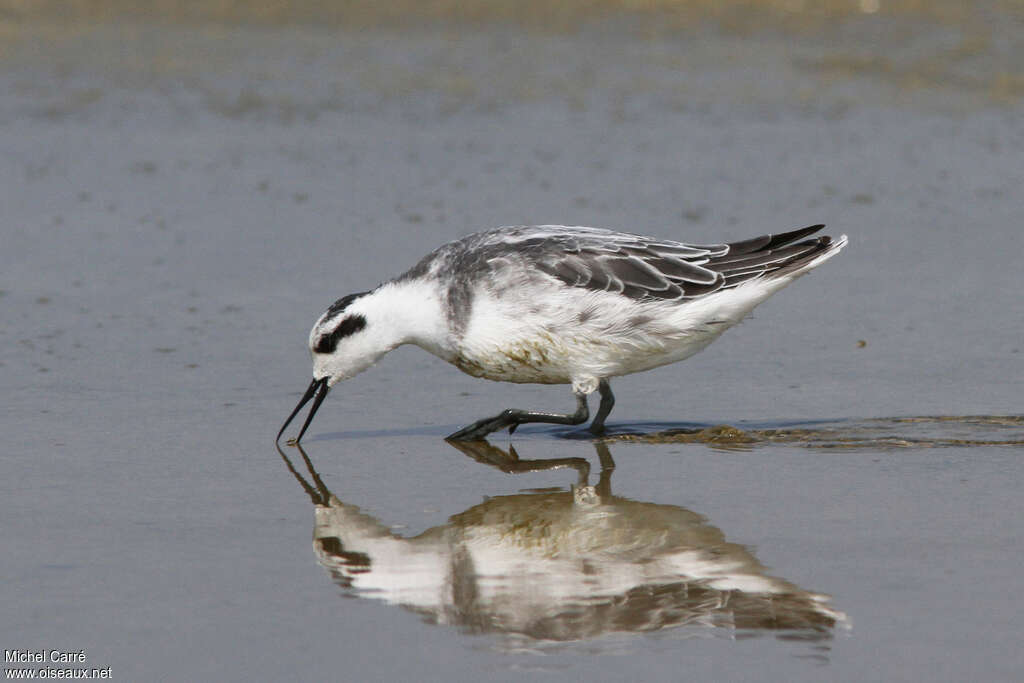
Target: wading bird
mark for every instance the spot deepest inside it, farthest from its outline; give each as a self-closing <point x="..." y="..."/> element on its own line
<point x="552" y="304"/>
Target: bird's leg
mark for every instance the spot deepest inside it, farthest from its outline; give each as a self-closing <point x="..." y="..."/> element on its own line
<point x="607" y="403"/>
<point x="514" y="417"/>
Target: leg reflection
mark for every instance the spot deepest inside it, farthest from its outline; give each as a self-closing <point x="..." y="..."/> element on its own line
<point x="510" y="462"/>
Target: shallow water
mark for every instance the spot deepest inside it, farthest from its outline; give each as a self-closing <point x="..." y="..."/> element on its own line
<point x="929" y="431"/>
<point x="830" y="491"/>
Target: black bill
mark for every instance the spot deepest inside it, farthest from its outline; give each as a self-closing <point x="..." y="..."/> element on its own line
<point x="317" y="388"/>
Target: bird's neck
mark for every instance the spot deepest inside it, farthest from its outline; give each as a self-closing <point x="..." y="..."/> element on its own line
<point x="413" y="312"/>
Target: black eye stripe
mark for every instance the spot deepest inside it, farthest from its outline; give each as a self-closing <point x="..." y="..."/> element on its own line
<point x="329" y="342"/>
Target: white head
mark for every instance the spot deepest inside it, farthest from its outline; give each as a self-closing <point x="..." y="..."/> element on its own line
<point x="343" y="342"/>
<point x="357" y="330"/>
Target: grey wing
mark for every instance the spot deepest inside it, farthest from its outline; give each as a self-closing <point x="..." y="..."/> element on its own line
<point x="645" y="268"/>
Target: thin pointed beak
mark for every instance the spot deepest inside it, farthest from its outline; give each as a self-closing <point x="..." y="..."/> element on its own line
<point x="317" y="388"/>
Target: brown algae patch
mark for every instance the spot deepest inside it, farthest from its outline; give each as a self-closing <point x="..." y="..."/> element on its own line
<point x="938" y="431"/>
<point x="725" y="437"/>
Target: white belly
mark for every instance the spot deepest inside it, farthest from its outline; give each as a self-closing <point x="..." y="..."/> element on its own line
<point x="576" y="333"/>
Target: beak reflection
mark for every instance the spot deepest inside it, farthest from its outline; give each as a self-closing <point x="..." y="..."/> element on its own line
<point x="317" y="388"/>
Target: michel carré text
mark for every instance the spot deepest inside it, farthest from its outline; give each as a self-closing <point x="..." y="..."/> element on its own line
<point x="40" y="656"/>
<point x="23" y="656"/>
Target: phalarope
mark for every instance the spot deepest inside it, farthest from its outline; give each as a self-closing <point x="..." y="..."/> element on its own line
<point x="552" y="304"/>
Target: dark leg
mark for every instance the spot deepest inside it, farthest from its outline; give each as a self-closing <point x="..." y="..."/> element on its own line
<point x="514" y="417"/>
<point x="607" y="403"/>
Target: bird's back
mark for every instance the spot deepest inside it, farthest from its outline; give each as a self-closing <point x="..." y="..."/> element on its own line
<point x="550" y="304"/>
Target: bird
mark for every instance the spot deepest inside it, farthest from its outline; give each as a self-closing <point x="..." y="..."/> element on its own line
<point x="554" y="304"/>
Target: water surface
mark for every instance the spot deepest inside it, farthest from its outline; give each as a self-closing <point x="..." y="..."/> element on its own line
<point x="831" y="491"/>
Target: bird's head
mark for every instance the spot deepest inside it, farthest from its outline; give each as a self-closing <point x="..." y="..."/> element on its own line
<point x="343" y="343"/>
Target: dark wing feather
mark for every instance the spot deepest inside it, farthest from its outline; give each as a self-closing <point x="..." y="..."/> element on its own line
<point x="777" y="254"/>
<point x="636" y="273"/>
<point x="771" y="241"/>
<point x="644" y="268"/>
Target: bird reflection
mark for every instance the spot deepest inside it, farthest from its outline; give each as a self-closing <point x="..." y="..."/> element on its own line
<point x="544" y="568"/>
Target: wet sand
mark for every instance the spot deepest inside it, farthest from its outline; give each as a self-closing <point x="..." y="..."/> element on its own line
<point x="833" y="486"/>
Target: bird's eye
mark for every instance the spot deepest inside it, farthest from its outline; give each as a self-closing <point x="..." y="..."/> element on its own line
<point x="327" y="343"/>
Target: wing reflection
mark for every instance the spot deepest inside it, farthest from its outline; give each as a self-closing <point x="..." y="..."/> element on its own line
<point x="550" y="567"/>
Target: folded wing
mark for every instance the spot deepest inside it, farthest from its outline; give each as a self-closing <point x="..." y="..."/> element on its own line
<point x="645" y="268"/>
